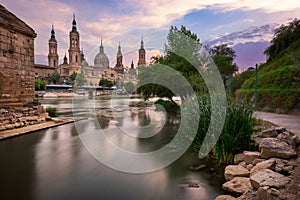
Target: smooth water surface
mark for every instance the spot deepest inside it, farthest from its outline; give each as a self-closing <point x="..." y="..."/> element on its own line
<point x="54" y="164"/>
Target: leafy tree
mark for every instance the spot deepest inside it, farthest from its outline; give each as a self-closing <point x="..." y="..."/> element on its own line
<point x="39" y="84"/>
<point x="283" y="37"/>
<point x="129" y="87"/>
<point x="223" y="57"/>
<point x="105" y="82"/>
<point x="54" y="78"/>
<point x="80" y="80"/>
<point x="181" y="54"/>
<point x="72" y="78"/>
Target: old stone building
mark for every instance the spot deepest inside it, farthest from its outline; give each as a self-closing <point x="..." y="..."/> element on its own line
<point x="77" y="62"/>
<point x="17" y="99"/>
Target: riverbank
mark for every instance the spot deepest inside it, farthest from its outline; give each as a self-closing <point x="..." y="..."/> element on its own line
<point x="271" y="172"/>
<point x="35" y="127"/>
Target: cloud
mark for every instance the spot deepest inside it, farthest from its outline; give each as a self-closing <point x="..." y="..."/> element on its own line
<point x="116" y="19"/>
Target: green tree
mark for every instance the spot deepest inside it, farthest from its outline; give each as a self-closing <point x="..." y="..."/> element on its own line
<point x="181" y="54"/>
<point x="54" y="78"/>
<point x="129" y="87"/>
<point x="223" y="57"/>
<point x="80" y="80"/>
<point x="39" y="84"/>
<point x="72" y="78"/>
<point x="105" y="82"/>
<point x="283" y="37"/>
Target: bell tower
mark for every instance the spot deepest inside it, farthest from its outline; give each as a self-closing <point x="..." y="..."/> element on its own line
<point x="74" y="50"/>
<point x="52" y="55"/>
<point x="142" y="54"/>
<point x="119" y="64"/>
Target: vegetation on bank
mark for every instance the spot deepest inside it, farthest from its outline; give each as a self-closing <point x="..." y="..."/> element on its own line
<point x="52" y="111"/>
<point x="167" y="105"/>
<point x="278" y="78"/>
<point x="236" y="133"/>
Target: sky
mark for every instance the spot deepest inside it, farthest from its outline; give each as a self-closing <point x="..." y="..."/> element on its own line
<point x="126" y="21"/>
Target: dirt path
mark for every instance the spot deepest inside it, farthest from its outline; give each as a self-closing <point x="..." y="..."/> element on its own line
<point x="290" y="122"/>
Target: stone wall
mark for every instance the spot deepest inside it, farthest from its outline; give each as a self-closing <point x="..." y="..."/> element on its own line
<point x="16" y="69"/>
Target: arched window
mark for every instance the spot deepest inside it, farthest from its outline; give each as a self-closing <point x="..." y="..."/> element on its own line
<point x="76" y="58"/>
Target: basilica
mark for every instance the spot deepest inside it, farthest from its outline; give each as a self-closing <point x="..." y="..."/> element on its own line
<point x="77" y="62"/>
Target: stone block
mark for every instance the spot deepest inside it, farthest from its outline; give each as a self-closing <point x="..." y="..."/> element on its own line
<point x="237" y="186"/>
<point x="232" y="171"/>
<point x="249" y="156"/>
<point x="267" y="177"/>
<point x="273" y="147"/>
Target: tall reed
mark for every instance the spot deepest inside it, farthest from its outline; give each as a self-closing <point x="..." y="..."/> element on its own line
<point x="236" y="132"/>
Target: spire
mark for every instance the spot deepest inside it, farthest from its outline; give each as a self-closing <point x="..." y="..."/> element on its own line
<point x="119" y="49"/>
<point x="142" y="43"/>
<point x="101" y="47"/>
<point x="52" y="38"/>
<point x="132" y="65"/>
<point x="74" y="28"/>
<point x="65" y="59"/>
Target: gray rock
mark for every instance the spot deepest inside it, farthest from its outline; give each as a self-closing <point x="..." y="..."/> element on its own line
<point x="280" y="129"/>
<point x="267" y="164"/>
<point x="269" y="133"/>
<point x="283" y="165"/>
<point x="249" y="156"/>
<point x="266" y="193"/>
<point x="258" y="160"/>
<point x="250" y="195"/>
<point x="273" y="147"/>
<point x="289" y="138"/>
<point x="237" y="186"/>
<point x="267" y="177"/>
<point x="232" y="171"/>
<point x="238" y="158"/>
<point x="225" y="197"/>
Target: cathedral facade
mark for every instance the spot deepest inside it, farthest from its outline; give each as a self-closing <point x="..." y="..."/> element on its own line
<point x="78" y="64"/>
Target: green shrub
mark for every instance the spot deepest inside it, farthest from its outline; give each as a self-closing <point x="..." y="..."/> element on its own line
<point x="52" y="111"/>
<point x="168" y="105"/>
<point x="236" y="133"/>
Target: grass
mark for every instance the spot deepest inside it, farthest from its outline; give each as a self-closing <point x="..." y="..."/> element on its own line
<point x="52" y="111"/>
<point x="236" y="133"/>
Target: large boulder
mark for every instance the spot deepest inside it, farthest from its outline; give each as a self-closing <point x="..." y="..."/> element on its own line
<point x="267" y="177"/>
<point x="237" y="186"/>
<point x="266" y="193"/>
<point x="267" y="164"/>
<point x="269" y="133"/>
<point x="283" y="165"/>
<point x="289" y="138"/>
<point x="273" y="147"/>
<point x="249" y="156"/>
<point x="250" y="195"/>
<point x="232" y="171"/>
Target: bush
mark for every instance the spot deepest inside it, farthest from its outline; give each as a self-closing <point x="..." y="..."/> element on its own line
<point x="168" y="105"/>
<point x="236" y="133"/>
<point x="52" y="111"/>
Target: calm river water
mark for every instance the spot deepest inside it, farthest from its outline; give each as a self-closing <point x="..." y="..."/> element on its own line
<point x="54" y="164"/>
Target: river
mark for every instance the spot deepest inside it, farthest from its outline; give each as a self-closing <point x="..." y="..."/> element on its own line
<point x="54" y="164"/>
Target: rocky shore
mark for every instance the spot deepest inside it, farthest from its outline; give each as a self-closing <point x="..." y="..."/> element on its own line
<point x="272" y="173"/>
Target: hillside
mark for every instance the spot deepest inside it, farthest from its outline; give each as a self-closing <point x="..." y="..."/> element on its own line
<point x="278" y="82"/>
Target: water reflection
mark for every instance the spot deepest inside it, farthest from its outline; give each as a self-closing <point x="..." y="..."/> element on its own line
<point x="53" y="164"/>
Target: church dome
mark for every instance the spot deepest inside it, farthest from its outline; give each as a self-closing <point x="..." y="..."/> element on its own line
<point x="101" y="59"/>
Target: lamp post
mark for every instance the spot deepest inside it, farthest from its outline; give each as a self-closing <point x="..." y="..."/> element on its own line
<point x="228" y="78"/>
<point x="255" y="87"/>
